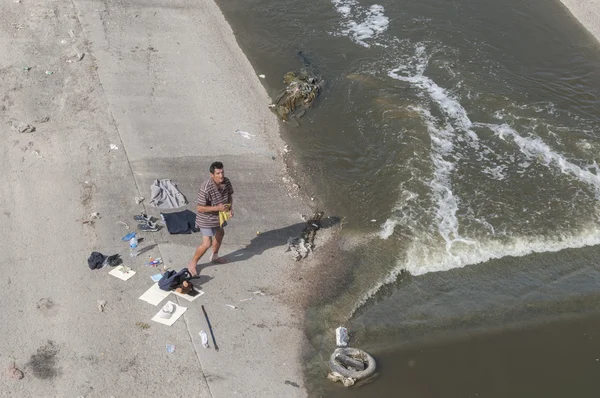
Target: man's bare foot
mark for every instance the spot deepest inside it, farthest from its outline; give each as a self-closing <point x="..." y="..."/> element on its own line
<point x="192" y="268"/>
<point x="216" y="259"/>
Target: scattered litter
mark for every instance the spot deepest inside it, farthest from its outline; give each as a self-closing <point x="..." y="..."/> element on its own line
<point x="244" y="134"/>
<point x="78" y="57"/>
<point x="247" y="299"/>
<point x="286" y="148"/>
<point x="113" y="147"/>
<point x="133" y="244"/>
<point x="91" y="217"/>
<point x="335" y="376"/>
<point x="71" y="33"/>
<point x="27" y="68"/>
<point x="299" y="248"/>
<point x="122" y="272"/>
<point x="373" y="220"/>
<point x="23" y="127"/>
<point x="154" y="295"/>
<point x="123" y="223"/>
<point x="18" y="26"/>
<point x="177" y="312"/>
<point x="101" y="305"/>
<point x="49" y="72"/>
<point x="37" y="153"/>
<point x="257" y="232"/>
<point x="156" y="277"/>
<point x="128" y="237"/>
<point x="44" y="119"/>
<point x="259" y="292"/>
<point x="262" y="76"/>
<point x="153" y="262"/>
<point x="233" y="307"/>
<point x="15" y="373"/>
<point x="17" y="1"/>
<point x="204" y="338"/>
<point x="301" y="245"/>
<point x="341" y="336"/>
<point x="291" y="383"/>
<point x="142" y="325"/>
<point x="349" y="365"/>
<point x="139" y="199"/>
<point x="170" y="348"/>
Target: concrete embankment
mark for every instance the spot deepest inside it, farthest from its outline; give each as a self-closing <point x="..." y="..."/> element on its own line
<point x="121" y="94"/>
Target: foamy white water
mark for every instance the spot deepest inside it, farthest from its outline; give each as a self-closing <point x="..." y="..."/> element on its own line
<point x="447" y="202"/>
<point x="535" y="148"/>
<point x="361" y="23"/>
<point x="427" y="254"/>
<point x="420" y="261"/>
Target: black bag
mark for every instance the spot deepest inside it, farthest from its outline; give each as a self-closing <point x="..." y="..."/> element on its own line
<point x="171" y="279"/>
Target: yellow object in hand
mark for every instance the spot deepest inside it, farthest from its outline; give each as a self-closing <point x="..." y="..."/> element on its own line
<point x="224" y="216"/>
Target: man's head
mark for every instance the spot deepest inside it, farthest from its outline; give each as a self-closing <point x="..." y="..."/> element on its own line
<point x="216" y="172"/>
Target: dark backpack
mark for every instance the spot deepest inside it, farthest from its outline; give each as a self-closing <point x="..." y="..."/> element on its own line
<point x="171" y="279"/>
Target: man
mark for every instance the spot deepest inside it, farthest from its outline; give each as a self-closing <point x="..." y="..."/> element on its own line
<point x="215" y="195"/>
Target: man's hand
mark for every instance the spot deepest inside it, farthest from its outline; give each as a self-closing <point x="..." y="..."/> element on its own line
<point x="221" y="207"/>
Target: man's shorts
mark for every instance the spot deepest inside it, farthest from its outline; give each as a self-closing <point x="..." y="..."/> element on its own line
<point x="209" y="231"/>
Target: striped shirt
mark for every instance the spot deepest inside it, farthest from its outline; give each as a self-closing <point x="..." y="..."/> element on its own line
<point x="210" y="195"/>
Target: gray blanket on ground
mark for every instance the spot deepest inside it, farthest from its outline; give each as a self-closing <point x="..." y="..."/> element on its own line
<point x="165" y="195"/>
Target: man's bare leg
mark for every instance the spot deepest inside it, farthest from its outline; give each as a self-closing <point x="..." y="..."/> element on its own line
<point x="200" y="250"/>
<point x="216" y="244"/>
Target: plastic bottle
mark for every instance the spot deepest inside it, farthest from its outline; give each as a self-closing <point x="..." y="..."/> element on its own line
<point x="133" y="244"/>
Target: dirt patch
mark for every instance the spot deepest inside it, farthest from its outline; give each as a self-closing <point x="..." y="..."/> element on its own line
<point x="45" y="304"/>
<point x="47" y="307"/>
<point x="87" y="192"/>
<point x="43" y="362"/>
<point x="323" y="276"/>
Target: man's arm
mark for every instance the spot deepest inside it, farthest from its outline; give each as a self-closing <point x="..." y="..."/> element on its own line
<point x="204" y="200"/>
<point x="207" y="209"/>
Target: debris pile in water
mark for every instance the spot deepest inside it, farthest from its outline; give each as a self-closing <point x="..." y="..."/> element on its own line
<point x="301" y="91"/>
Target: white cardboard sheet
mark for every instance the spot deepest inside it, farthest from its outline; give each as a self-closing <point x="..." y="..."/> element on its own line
<point x="154" y="295"/>
<point x="122" y="272"/>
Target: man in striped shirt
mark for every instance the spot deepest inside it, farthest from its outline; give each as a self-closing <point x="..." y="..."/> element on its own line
<point x="215" y="195"/>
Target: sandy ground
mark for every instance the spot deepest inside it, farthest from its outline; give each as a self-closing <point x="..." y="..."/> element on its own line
<point x="120" y="94"/>
<point x="587" y="12"/>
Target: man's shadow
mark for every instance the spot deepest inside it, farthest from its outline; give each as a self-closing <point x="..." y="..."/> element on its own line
<point x="274" y="238"/>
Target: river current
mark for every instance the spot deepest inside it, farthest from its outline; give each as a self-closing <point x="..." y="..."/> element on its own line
<point x="459" y="140"/>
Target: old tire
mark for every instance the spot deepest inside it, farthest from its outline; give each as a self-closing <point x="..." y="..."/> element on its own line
<point x="335" y="366"/>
